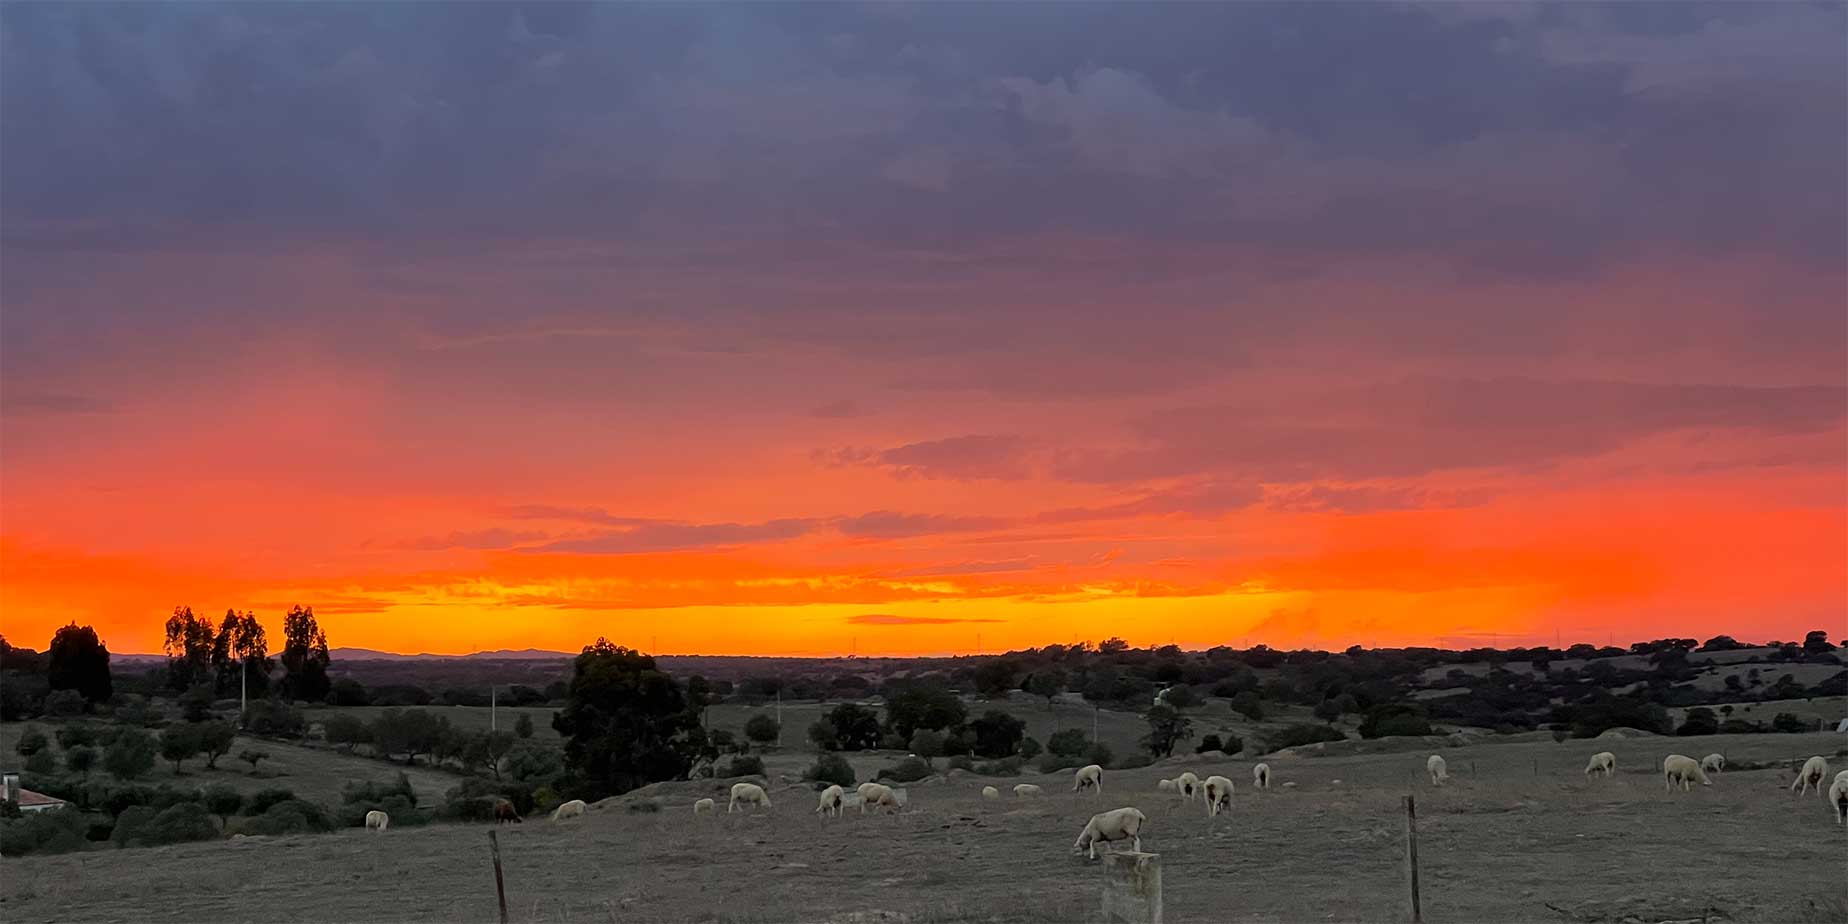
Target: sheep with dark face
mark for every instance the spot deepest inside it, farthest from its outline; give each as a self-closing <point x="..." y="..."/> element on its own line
<point x="1603" y="763"/>
<point x="1838" y="797"/>
<point x="1089" y="776"/>
<point x="1260" y="776"/>
<point x="1812" y="773"/>
<point x="1218" y="791"/>
<point x="833" y="801"/>
<point x="1124" y="824"/>
<point x="504" y="813"/>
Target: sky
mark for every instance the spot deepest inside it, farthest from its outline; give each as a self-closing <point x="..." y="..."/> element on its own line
<point x="922" y="328"/>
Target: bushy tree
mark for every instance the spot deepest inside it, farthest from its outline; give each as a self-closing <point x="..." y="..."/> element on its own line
<point x="178" y="743"/>
<point x="252" y="756"/>
<point x="31" y="741"/>
<point x="1208" y="743"/>
<point x="42" y="762"/>
<point x="821" y="734"/>
<point x="927" y="744"/>
<point x="222" y="800"/>
<point x="215" y="740"/>
<point x="1181" y="698"/>
<point x="66" y="703"/>
<point x="1817" y="642"/>
<point x="1394" y="719"/>
<point x="1328" y="710"/>
<point x="1299" y="734"/>
<point x="523" y="726"/>
<point x="530" y="760"/>
<point x="131" y="755"/>
<point x="1030" y="748"/>
<point x="625" y="722"/>
<point x="188" y="646"/>
<point x="1068" y="743"/>
<point x="922" y="705"/>
<point x="348" y="692"/>
<point x="998" y="734"/>
<point x="762" y="729"/>
<point x="1167" y="727"/>
<point x="409" y="732"/>
<point x="830" y="768"/>
<point x="1249" y="705"/>
<point x="1699" y="721"/>
<point x="76" y="734"/>
<point x="344" y="731"/>
<point x="994" y="677"/>
<point x="80" y="760"/>
<point x="1788" y="723"/>
<point x="854" y="727"/>
<point x="78" y="660"/>
<point x="304" y="656"/>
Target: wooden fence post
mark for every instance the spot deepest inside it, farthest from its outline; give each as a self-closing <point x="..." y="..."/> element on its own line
<point x="1132" y="887"/>
<point x="1411" y="855"/>
<point x="500" y="888"/>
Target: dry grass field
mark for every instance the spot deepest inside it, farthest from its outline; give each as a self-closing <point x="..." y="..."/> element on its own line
<point x="1519" y="835"/>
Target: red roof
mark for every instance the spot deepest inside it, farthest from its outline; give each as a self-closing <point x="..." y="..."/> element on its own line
<point x="28" y="797"/>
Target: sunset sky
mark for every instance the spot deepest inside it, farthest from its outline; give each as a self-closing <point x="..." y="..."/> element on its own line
<point x="921" y="328"/>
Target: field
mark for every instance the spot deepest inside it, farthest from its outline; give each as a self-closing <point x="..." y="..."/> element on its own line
<point x="1520" y="834"/>
<point x="467" y="718"/>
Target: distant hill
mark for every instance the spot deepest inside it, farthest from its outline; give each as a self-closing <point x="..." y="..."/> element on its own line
<point x="504" y="654"/>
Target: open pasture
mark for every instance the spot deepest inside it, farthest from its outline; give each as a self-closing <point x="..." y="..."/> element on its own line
<point x="1519" y="834"/>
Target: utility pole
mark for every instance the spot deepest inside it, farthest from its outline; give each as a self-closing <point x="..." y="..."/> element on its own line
<point x="243" y="688"/>
<point x="493" y="712"/>
<point x="779" y="713"/>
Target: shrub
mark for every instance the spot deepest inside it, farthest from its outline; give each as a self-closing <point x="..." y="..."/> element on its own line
<point x="260" y="801"/>
<point x="821" y="734"/>
<point x="762" y="729"/>
<point x="1006" y="766"/>
<point x="1785" y="723"/>
<point x="467" y="809"/>
<point x="1699" y="721"/>
<point x="1300" y="734"/>
<point x="251" y="756"/>
<point x="1053" y="763"/>
<point x="531" y="760"/>
<point x="909" y="770"/>
<point x="645" y="806"/>
<point x="42" y="762"/>
<point x="274" y="717"/>
<point x="31" y="741"/>
<point x="119" y="799"/>
<point x="222" y="800"/>
<point x="1394" y="719"/>
<point x="1740" y="727"/>
<point x="998" y="734"/>
<point x="290" y="816"/>
<point x="1133" y="760"/>
<point x="1248" y="705"/>
<point x="145" y="826"/>
<point x="63" y="703"/>
<point x="1209" y="743"/>
<point x="80" y="759"/>
<point x="523" y="726"/>
<point x="518" y="793"/>
<point x="747" y="765"/>
<point x="348" y="692"/>
<point x="830" y="768"/>
<point x="926" y="744"/>
<point x="1030" y="748"/>
<point x="1100" y="755"/>
<point x="1231" y="744"/>
<point x="43" y="832"/>
<point x="178" y="743"/>
<point x="131" y="756"/>
<point x="76" y="735"/>
<point x="344" y="731"/>
<point x="379" y="792"/>
<point x="1068" y="743"/>
<point x="961" y="762"/>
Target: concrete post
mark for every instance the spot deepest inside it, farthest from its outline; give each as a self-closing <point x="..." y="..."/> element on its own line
<point x="1132" y="887"/>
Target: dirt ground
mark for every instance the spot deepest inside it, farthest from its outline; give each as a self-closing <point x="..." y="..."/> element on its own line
<point x="1520" y="834"/>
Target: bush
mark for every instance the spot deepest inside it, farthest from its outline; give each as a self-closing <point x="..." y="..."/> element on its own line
<point x="1068" y="743"/>
<point x="1100" y="755"/>
<point x="747" y="765"/>
<point x="467" y="809"/>
<point x="344" y="731"/>
<point x="1248" y="705"/>
<point x="830" y="768"/>
<point x="1740" y="727"/>
<point x="63" y="703"/>
<point x="31" y="741"/>
<point x="145" y="826"/>
<point x="260" y="801"/>
<point x="80" y="759"/>
<point x="251" y="756"/>
<point x="131" y="756"/>
<point x="1231" y="744"/>
<point x="119" y="799"/>
<point x="1699" y="721"/>
<point x="1785" y="723"/>
<point x="961" y="762"/>
<point x="276" y="718"/>
<point x="43" y="832"/>
<point x="909" y="770"/>
<point x="76" y="735"/>
<point x="42" y="762"/>
<point x="1394" y="719"/>
<point x="821" y="734"/>
<point x="1030" y="748"/>
<point x="348" y="692"/>
<point x="379" y="792"/>
<point x="762" y="729"/>
<point x="1300" y="734"/>
<point x="1053" y="763"/>
<point x="1133" y="760"/>
<point x="1006" y="766"/>
<point x="222" y="800"/>
<point x="290" y="816"/>
<point x="520" y="794"/>
<point x="1209" y="743"/>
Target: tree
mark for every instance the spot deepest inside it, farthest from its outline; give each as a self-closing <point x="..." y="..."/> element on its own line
<point x="67" y="703"/>
<point x="1699" y="721"/>
<point x="998" y="734"/>
<point x="1181" y="697"/>
<point x="188" y="646"/>
<point x="131" y="755"/>
<point x="1787" y="723"/>
<point x="1393" y="720"/>
<point x="853" y="728"/>
<point x="1734" y="684"/>
<point x="178" y="743"/>
<point x="1029" y="747"/>
<point x="625" y="722"/>
<point x="927" y="744"/>
<point x="922" y="706"/>
<point x="1068" y="743"/>
<point x="1249" y="705"/>
<point x="78" y="660"/>
<point x="348" y="692"/>
<point x="31" y="741"/>
<point x="1046" y="683"/>
<point x="530" y="760"/>
<point x="75" y="734"/>
<point x="1817" y="642"/>
<point x="251" y="756"/>
<point x="762" y="729"/>
<point x="1209" y="743"/>
<point x="1167" y="728"/>
<point x="1112" y="645"/>
<point x="830" y="768"/>
<point x="215" y="740"/>
<point x="523" y="726"/>
<point x="410" y="732"/>
<point x="80" y="760"/>
<point x="242" y="646"/>
<point x="304" y="656"/>
<point x="994" y="677"/>
<point x="344" y="731"/>
<point x="821" y="734"/>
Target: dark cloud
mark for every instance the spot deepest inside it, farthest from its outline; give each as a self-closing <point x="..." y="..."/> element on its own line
<point x="888" y="524"/>
<point x="888" y="619"/>
<point x="959" y="458"/>
<point x="595" y="515"/>
<point x="1002" y="566"/>
<point x="673" y="537"/>
<point x="495" y="538"/>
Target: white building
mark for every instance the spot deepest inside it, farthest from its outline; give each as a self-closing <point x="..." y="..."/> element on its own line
<point x="28" y="800"/>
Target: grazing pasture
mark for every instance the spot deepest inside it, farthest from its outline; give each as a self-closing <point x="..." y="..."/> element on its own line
<point x="1519" y="833"/>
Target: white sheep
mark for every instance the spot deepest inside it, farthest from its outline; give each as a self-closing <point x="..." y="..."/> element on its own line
<point x="877" y="795"/>
<point x="1124" y="824"/>
<point x="749" y="794"/>
<point x="989" y="792"/>
<point x="1260" y="776"/>
<point x="377" y="821"/>
<point x="1678" y="768"/>
<point x="1713" y="763"/>
<point x="1812" y="773"/>
<point x="1439" y="770"/>
<point x="1603" y="762"/>
<point x="1838" y="797"/>
<point x="1188" y="784"/>
<point x="1167" y="786"/>
<point x="833" y="800"/>
<point x="1089" y="775"/>
<point x="705" y="807"/>
<point x="1025" y="790"/>
<point x="1218" y="791"/>
<point x="571" y="809"/>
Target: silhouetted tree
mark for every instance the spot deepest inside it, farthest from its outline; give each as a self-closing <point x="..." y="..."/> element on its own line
<point x="625" y="722"/>
<point x="78" y="660"/>
<point x="998" y="734"/>
<point x="242" y="643"/>
<point x="523" y="726"/>
<point x="304" y="656"/>
<point x="188" y="646"/>
<point x="762" y="729"/>
<point x="1166" y="729"/>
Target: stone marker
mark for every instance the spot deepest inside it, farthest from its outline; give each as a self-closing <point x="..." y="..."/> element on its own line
<point x="1132" y="887"/>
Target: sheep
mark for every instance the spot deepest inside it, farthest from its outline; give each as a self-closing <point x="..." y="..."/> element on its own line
<point x="1024" y="790"/>
<point x="1218" y="792"/>
<point x="1439" y="770"/>
<point x="505" y="813"/>
<point x="1124" y="824"/>
<point x="705" y="807"/>
<point x="833" y="801"/>
<point x="377" y="821"/>
<point x="1838" y="797"/>
<point x="1812" y="773"/>
<point x="989" y="792"/>
<point x="1088" y="775"/>
<point x="1167" y="786"/>
<point x="1678" y="768"/>
<point x="877" y="795"/>
<point x="749" y="794"/>
<point x="1188" y="784"/>
<point x="571" y="809"/>
<point x="1603" y="762"/>
<point x="1713" y="763"/>
<point x="1260" y="776"/>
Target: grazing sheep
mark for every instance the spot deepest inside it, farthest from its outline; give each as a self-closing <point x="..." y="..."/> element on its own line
<point x="1124" y="824"/>
<point x="377" y="821"/>
<point x="833" y="801"/>
<point x="1218" y="791"/>
<point x="1838" y="797"/>
<point x="1713" y="763"/>
<point x="877" y="795"/>
<point x="1439" y="770"/>
<point x="504" y="813"/>
<point x="1188" y="784"/>
<point x="1088" y="775"/>
<point x="1677" y="768"/>
<point x="705" y="807"/>
<point x="1603" y="762"/>
<point x="1167" y="786"/>
<point x="749" y="794"/>
<point x="1024" y="790"/>
<point x="1291" y="784"/>
<point x="1260" y="776"/>
<point x="1812" y="773"/>
<point x="571" y="809"/>
<point x="989" y="792"/>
